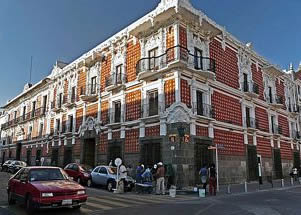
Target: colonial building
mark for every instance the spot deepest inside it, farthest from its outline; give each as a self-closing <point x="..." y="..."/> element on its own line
<point x="165" y="88"/>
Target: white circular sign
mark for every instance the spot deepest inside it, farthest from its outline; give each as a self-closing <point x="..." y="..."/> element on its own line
<point x="42" y="159"/>
<point x="118" y="161"/>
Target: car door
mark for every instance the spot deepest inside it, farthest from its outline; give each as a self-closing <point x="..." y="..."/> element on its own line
<point x="103" y="176"/>
<point x="21" y="186"/>
<point x="13" y="182"/>
<point x="95" y="176"/>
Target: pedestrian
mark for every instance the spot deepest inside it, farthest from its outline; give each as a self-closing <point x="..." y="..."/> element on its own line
<point x="130" y="171"/>
<point x="139" y="171"/>
<point x="204" y="176"/>
<point x="295" y="173"/>
<point x="122" y="177"/>
<point x="160" y="174"/>
<point x="154" y="171"/>
<point x="212" y="180"/>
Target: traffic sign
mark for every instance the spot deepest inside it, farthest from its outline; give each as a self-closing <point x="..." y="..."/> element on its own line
<point x="118" y="161"/>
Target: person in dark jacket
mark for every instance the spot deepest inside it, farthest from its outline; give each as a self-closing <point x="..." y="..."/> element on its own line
<point x="212" y="180"/>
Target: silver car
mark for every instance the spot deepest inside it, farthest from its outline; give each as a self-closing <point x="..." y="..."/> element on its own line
<point x="106" y="176"/>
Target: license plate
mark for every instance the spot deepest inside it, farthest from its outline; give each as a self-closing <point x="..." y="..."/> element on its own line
<point x="67" y="202"/>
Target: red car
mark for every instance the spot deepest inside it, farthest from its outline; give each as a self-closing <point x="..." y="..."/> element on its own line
<point x="43" y="188"/>
<point x="80" y="173"/>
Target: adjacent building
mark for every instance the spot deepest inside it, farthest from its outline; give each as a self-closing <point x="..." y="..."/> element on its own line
<point x="165" y="88"/>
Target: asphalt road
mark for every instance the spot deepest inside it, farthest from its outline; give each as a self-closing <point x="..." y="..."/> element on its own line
<point x="280" y="201"/>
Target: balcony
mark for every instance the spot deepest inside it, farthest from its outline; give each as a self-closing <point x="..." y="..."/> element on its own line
<point x="295" y="135"/>
<point x="294" y="110"/>
<point x="69" y="101"/>
<point x="116" y="82"/>
<point x="276" y="130"/>
<point x="203" y="110"/>
<point x="89" y="93"/>
<point x="175" y="57"/>
<point x="251" y="124"/>
<point x="276" y="102"/>
<point x="251" y="89"/>
<point x="56" y="107"/>
<point x="40" y="112"/>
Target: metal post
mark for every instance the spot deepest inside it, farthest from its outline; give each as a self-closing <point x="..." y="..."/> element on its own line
<point x="292" y="181"/>
<point x="229" y="189"/>
<point x="282" y="182"/>
<point x="246" y="187"/>
<point x="217" y="175"/>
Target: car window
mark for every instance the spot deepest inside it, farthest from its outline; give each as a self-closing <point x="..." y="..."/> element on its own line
<point x="68" y="166"/>
<point x="75" y="167"/>
<point x="24" y="175"/>
<point x="46" y="175"/>
<point x="17" y="176"/>
<point x="103" y="170"/>
<point x="17" y="163"/>
<point x="96" y="169"/>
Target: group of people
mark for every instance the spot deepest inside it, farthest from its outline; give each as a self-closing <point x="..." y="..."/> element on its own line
<point x="208" y="173"/>
<point x="152" y="175"/>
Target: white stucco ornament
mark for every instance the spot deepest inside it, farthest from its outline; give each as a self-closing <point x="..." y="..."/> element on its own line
<point x="178" y="112"/>
<point x="89" y="125"/>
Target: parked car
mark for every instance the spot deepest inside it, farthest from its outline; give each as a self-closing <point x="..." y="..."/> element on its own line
<point x="45" y="188"/>
<point x="80" y="173"/>
<point x="15" y="166"/>
<point x="4" y="167"/>
<point x="106" y="176"/>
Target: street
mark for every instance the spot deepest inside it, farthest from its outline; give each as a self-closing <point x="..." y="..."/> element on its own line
<point x="280" y="201"/>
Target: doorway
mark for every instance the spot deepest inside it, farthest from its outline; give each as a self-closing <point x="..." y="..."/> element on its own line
<point x="252" y="163"/>
<point x="203" y="156"/>
<point x="296" y="160"/>
<point x="55" y="157"/>
<point x="89" y="152"/>
<point x="150" y="153"/>
<point x="114" y="151"/>
<point x="67" y="155"/>
<point x="38" y="157"/>
<point x="277" y="164"/>
<point x="3" y="157"/>
<point x="18" y="151"/>
<point x="28" y="157"/>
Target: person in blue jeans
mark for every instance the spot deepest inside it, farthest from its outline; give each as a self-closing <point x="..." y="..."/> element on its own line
<point x="204" y="176"/>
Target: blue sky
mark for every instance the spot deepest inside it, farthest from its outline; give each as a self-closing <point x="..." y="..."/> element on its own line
<point x="65" y="29"/>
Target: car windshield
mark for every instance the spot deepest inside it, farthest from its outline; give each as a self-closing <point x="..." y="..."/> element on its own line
<point x="46" y="175"/>
<point x="8" y="162"/>
<point x="112" y="170"/>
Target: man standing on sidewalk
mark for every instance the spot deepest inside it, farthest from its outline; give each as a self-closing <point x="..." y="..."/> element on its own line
<point x="212" y="180"/>
<point x="160" y="179"/>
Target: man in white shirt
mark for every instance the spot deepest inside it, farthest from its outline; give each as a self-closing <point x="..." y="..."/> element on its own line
<point x="122" y="176"/>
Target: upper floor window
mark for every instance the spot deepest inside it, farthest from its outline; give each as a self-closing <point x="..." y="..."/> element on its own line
<point x="93" y="85"/>
<point x="41" y="129"/>
<point x="152" y="54"/>
<point x="153" y="103"/>
<point x="198" y="64"/>
<point x="44" y="103"/>
<point x="15" y="115"/>
<point x="24" y="112"/>
<point x="33" y="109"/>
<point x="117" y="111"/>
<point x="58" y="123"/>
<point x="118" y="74"/>
<point x="270" y="98"/>
<point x="60" y="100"/>
<point x="70" y="123"/>
<point x="73" y="94"/>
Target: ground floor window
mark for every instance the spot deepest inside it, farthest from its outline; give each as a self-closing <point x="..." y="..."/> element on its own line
<point x="150" y="153"/>
<point x="277" y="164"/>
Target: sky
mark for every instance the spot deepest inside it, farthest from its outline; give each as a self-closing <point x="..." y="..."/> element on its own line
<point x="65" y="29"/>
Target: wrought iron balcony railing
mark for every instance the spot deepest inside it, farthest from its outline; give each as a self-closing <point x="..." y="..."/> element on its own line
<point x="115" y="80"/>
<point x="25" y="117"/>
<point x="205" y="110"/>
<point x="250" y="87"/>
<point x="251" y="123"/>
<point x="276" y="129"/>
<point x="173" y="54"/>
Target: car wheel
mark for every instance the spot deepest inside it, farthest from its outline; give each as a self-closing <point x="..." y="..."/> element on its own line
<point x="110" y="186"/>
<point x="78" y="180"/>
<point x="77" y="207"/>
<point x="89" y="183"/>
<point x="29" y="205"/>
<point x="10" y="199"/>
